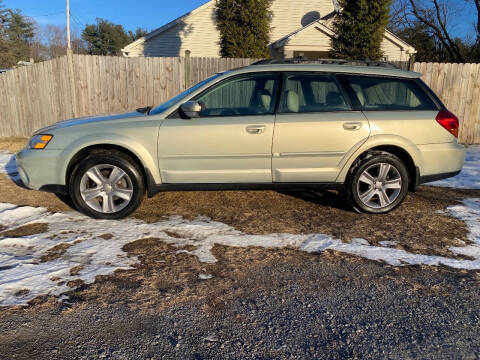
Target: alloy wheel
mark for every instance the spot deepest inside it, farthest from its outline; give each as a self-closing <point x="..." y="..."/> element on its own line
<point x="379" y="185"/>
<point x="106" y="188"/>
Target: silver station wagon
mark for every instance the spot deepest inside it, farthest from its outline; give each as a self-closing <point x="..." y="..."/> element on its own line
<point x="368" y="129"/>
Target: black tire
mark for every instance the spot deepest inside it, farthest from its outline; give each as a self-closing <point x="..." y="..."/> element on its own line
<point x="369" y="161"/>
<point x="113" y="158"/>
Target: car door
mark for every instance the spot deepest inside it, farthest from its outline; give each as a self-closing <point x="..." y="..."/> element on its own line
<point x="230" y="142"/>
<point x="315" y="129"/>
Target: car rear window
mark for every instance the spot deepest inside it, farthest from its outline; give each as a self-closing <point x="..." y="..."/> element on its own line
<point x="380" y="93"/>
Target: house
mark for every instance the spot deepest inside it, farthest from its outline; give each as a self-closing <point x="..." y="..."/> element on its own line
<point x="298" y="28"/>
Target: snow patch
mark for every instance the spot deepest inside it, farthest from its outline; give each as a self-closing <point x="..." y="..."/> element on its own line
<point x="8" y="165"/>
<point x="204" y="276"/>
<point x="387" y="243"/>
<point x="23" y="276"/>
<point x="469" y="212"/>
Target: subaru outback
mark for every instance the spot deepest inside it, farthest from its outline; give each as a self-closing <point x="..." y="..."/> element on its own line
<point x="368" y="129"/>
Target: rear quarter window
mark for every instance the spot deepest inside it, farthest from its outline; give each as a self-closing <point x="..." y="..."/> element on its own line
<point x="384" y="94"/>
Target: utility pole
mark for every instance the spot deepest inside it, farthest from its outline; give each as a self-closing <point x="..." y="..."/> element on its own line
<point x="69" y="45"/>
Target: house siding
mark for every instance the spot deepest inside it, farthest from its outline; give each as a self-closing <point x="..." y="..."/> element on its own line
<point x="288" y="15"/>
<point x="392" y="52"/>
<point x="199" y="34"/>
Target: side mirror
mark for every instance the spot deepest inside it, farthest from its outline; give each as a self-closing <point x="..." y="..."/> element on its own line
<point x="191" y="109"/>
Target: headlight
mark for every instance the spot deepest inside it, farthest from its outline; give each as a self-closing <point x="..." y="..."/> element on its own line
<point x="40" y="141"/>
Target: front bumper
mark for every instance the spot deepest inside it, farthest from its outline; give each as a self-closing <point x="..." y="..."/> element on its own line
<point x="41" y="169"/>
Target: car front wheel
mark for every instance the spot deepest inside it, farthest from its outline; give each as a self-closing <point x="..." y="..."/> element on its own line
<point x="107" y="185"/>
<point x="378" y="182"/>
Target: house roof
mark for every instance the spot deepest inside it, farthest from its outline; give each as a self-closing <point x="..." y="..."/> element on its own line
<point x="319" y="25"/>
<point x="165" y="27"/>
<point x="323" y="25"/>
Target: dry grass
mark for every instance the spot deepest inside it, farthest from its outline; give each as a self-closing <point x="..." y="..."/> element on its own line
<point x="55" y="252"/>
<point x="26" y="230"/>
<point x="14" y="194"/>
<point x="165" y="277"/>
<point x="106" y="236"/>
<point x="417" y="226"/>
<point x="13" y="145"/>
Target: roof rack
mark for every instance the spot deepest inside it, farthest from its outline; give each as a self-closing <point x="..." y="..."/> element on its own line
<point x="303" y="60"/>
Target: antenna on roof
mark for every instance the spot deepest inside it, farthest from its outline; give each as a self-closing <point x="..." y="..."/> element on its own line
<point x="336" y="6"/>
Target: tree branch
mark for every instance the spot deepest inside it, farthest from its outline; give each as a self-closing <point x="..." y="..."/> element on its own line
<point x="440" y="32"/>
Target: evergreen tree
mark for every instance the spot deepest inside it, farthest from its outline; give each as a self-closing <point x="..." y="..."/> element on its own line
<point x="244" y="27"/>
<point x="16" y="34"/>
<point x="139" y="32"/>
<point x="105" y="38"/>
<point x="359" y="29"/>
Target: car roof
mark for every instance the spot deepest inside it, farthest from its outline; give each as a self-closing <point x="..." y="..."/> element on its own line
<point x="344" y="69"/>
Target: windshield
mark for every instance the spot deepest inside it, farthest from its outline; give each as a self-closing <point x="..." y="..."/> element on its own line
<point x="161" y="108"/>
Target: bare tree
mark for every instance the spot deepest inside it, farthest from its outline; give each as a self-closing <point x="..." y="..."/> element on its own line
<point x="440" y="17"/>
<point x="51" y="42"/>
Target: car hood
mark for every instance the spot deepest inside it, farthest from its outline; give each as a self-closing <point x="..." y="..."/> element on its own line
<point x="90" y="119"/>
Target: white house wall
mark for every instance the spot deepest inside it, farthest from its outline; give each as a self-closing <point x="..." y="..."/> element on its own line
<point x="392" y="52"/>
<point x="288" y="15"/>
<point x="199" y="34"/>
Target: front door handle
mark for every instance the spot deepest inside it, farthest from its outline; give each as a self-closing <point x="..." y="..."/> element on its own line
<point x="255" y="129"/>
<point x="352" y="126"/>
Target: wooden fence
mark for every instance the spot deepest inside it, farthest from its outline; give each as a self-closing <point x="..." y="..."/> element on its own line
<point x="80" y="85"/>
<point x="35" y="96"/>
<point x="458" y="85"/>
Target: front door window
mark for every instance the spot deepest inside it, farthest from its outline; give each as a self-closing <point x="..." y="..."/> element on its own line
<point x="251" y="94"/>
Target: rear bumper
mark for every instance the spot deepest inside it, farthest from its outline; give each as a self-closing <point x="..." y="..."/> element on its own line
<point x="436" y="177"/>
<point x="440" y="161"/>
<point x="39" y="169"/>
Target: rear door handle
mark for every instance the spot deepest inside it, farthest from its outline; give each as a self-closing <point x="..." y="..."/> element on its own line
<point x="255" y="129"/>
<point x="352" y="126"/>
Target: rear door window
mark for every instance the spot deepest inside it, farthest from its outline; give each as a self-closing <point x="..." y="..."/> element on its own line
<point x="379" y="93"/>
<point x="306" y="93"/>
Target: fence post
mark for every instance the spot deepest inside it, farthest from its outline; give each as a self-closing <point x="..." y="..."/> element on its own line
<point x="411" y="63"/>
<point x="73" y="89"/>
<point x="187" y="69"/>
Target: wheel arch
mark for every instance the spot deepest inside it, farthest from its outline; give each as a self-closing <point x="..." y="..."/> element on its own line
<point x="402" y="154"/>
<point x="400" y="147"/>
<point x="89" y="149"/>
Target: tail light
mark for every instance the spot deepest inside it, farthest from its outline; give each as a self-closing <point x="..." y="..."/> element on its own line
<point x="449" y="121"/>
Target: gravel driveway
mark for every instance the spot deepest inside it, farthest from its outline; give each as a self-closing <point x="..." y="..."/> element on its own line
<point x="335" y="307"/>
<point x="255" y="302"/>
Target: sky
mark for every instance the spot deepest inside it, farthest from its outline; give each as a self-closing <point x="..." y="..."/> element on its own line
<point x="149" y="14"/>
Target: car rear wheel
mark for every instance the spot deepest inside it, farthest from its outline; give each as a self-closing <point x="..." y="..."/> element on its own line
<point x="107" y="186"/>
<point x="377" y="183"/>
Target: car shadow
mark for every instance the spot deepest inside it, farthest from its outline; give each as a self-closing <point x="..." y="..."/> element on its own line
<point x="12" y="172"/>
<point x="328" y="198"/>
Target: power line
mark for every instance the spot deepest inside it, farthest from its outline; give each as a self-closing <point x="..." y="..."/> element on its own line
<point x="74" y="18"/>
<point x="45" y="15"/>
